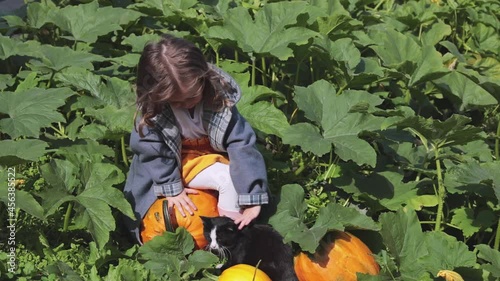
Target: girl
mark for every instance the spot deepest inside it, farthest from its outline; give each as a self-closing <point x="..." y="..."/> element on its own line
<point x="187" y="131"/>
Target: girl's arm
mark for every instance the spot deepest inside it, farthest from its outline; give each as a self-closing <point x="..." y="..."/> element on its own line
<point x="246" y="164"/>
<point x="157" y="161"/>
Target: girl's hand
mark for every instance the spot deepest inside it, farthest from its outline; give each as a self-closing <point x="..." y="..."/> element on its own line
<point x="249" y="214"/>
<point x="182" y="202"/>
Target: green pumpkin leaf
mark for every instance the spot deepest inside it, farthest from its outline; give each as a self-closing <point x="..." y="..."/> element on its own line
<point x="23" y="200"/>
<point x="338" y="124"/>
<point x="201" y="259"/>
<point x="445" y="252"/>
<point x="433" y="132"/>
<point x="262" y="115"/>
<point x="41" y="13"/>
<point x="138" y="42"/>
<point x="405" y="241"/>
<point x="164" y="251"/>
<point x="397" y="50"/>
<point x="61" y="174"/>
<point x="492" y="256"/>
<point x="271" y="32"/>
<point x="469" y="223"/>
<point x="429" y="67"/>
<point x="31" y="110"/>
<point x="385" y="189"/>
<point x="463" y="91"/>
<point x="435" y="34"/>
<point x="20" y="151"/>
<point x="86" y="22"/>
<point x="116" y="120"/>
<point x="11" y="47"/>
<point x="58" y="58"/>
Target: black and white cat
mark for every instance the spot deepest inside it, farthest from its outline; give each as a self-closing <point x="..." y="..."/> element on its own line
<point x="253" y="243"/>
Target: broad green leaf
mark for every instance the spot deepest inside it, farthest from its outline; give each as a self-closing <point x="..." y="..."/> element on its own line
<point x="445" y="252"/>
<point x="338" y="124"/>
<point x="168" y="8"/>
<point x="41" y="13"/>
<point x="335" y="214"/>
<point x="436" y="133"/>
<point x="81" y="78"/>
<point x="435" y="34"/>
<point x="63" y="271"/>
<point x="31" y="110"/>
<point x="11" y="47"/>
<point x="61" y="174"/>
<point x="490" y="255"/>
<point x="429" y="67"/>
<point x="23" y="200"/>
<point x="469" y="223"/>
<point x="288" y="218"/>
<point x="113" y="91"/>
<point x="333" y="17"/>
<point x="384" y="189"/>
<point x="202" y="259"/>
<point x="160" y="251"/>
<point x="138" y="42"/>
<point x="53" y="198"/>
<point x="6" y="80"/>
<point x="397" y="50"/>
<point x="126" y="270"/>
<point x="31" y="81"/>
<point x="100" y="184"/>
<point x="421" y="201"/>
<point x="86" y="22"/>
<point x="128" y="60"/>
<point x="85" y="151"/>
<point x="341" y="50"/>
<point x="271" y="31"/>
<point x="117" y="120"/>
<point x="452" y="48"/>
<point x="19" y="151"/>
<point x="117" y="92"/>
<point x="58" y="58"/>
<point x="100" y="220"/>
<point x="262" y="115"/>
<point x="405" y="241"/>
<point x="464" y="92"/>
<point x="482" y="179"/>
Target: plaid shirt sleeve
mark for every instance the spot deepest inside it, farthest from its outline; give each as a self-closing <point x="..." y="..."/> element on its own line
<point x="158" y="161"/>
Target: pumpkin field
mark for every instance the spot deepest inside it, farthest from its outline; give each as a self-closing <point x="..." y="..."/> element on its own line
<point x="379" y="122"/>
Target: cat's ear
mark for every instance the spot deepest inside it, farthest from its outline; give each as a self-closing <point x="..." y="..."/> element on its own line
<point x="205" y="220"/>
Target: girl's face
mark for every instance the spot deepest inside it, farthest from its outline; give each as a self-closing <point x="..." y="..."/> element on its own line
<point x="186" y="102"/>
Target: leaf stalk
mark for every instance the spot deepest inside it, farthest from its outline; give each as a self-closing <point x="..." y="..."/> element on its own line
<point x="441" y="191"/>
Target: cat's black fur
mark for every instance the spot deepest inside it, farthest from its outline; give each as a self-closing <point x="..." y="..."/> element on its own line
<point x="253" y="243"/>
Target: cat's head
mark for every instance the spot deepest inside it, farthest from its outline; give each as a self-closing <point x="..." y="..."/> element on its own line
<point x="220" y="232"/>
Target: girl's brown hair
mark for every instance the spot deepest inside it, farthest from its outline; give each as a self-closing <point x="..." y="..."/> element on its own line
<point x="174" y="66"/>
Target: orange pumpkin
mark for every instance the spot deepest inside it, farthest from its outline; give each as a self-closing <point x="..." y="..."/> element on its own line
<point x="341" y="255"/>
<point x="243" y="272"/>
<point x="155" y="223"/>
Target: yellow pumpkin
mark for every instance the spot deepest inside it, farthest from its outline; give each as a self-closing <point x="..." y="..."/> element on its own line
<point x="243" y="272"/>
<point x="154" y="223"/>
<point x="341" y="255"/>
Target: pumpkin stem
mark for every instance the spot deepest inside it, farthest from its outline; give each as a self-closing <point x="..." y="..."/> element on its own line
<point x="255" y="271"/>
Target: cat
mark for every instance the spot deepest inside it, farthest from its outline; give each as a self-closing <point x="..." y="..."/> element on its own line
<point x="253" y="243"/>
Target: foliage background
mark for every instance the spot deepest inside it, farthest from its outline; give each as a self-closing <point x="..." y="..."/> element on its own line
<point x="377" y="117"/>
